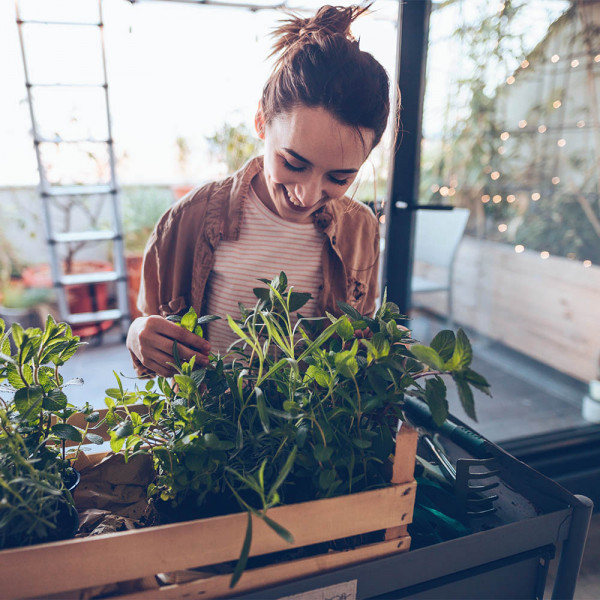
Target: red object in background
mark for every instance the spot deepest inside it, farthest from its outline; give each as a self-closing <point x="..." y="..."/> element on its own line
<point x="134" y="278"/>
<point x="179" y="191"/>
<point x="82" y="297"/>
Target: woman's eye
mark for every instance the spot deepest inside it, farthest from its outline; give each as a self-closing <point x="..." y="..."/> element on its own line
<point x="338" y="181"/>
<point x="291" y="167"/>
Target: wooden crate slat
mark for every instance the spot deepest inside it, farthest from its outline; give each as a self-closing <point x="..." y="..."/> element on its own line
<point x="218" y="586"/>
<point x="132" y="554"/>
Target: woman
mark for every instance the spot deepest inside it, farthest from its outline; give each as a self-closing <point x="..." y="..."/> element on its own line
<point x="323" y="109"/>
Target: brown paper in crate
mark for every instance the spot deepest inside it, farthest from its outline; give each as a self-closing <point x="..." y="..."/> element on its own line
<point x="115" y="487"/>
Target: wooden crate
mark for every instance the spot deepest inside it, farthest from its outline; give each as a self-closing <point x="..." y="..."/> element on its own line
<point x="76" y="568"/>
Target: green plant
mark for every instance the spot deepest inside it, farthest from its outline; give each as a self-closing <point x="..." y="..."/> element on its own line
<point x="296" y="411"/>
<point x="35" y="505"/>
<point x="30" y="361"/>
<point x="234" y="145"/>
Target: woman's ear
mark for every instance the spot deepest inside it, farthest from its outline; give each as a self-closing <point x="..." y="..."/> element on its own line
<point x="259" y="122"/>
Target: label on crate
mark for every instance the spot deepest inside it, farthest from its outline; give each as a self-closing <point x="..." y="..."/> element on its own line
<point x="340" y="591"/>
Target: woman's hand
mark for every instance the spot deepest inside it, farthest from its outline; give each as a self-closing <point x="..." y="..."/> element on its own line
<point x="151" y="340"/>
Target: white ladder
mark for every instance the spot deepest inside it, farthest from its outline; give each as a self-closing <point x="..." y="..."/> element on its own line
<point x="52" y="192"/>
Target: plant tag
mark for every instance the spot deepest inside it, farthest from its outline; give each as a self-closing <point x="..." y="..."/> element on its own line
<point x="340" y="591"/>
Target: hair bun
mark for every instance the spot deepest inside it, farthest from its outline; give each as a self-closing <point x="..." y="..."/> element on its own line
<point x="328" y="21"/>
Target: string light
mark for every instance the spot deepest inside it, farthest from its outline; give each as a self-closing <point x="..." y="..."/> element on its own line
<point x="556" y="180"/>
<point x="443" y="191"/>
<point x="502" y="227"/>
<point x="557" y="104"/>
<point x="485" y="198"/>
<point x="574" y="63"/>
<point x="597" y="58"/>
<point x="580" y="124"/>
<point x="587" y="263"/>
<point x="382" y="219"/>
<point x="495" y="175"/>
<point x="497" y="199"/>
<point x="510" y="80"/>
<point x="544" y="254"/>
<point x="525" y="64"/>
<point x="510" y="198"/>
<point x="435" y="188"/>
<point x="501" y="149"/>
<point x="555" y="58"/>
<point x="522" y="123"/>
<point x="451" y="191"/>
<point x="504" y="136"/>
<point x="519" y="248"/>
<point x="542" y="129"/>
<point x="561" y="143"/>
<point x="535" y="196"/>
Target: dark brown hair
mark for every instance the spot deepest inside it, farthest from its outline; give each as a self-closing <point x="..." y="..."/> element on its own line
<point x="319" y="64"/>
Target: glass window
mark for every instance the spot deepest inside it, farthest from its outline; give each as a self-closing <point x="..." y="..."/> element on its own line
<point x="511" y="133"/>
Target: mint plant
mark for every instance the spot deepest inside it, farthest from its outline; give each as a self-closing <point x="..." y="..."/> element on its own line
<point x="296" y="410"/>
<point x="34" y="399"/>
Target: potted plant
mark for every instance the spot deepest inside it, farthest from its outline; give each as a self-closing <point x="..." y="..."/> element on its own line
<point x="296" y="411"/>
<point x="36" y="504"/>
<point x="38" y="408"/>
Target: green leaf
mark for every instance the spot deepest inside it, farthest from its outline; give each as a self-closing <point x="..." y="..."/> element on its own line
<point x="116" y="443"/>
<point x="349" y="310"/>
<point x="297" y="300"/>
<point x="427" y="356"/>
<point x="285" y="470"/>
<point x="319" y="375"/>
<point x="55" y="401"/>
<point x="28" y="400"/>
<point x="462" y="355"/>
<point x="435" y="395"/>
<point x="243" y="559"/>
<point x="466" y="397"/>
<point x="213" y="442"/>
<point x="188" y="321"/>
<point x="115" y="393"/>
<point x="477" y="381"/>
<point x="64" y="431"/>
<point x="94" y="438"/>
<point x="322" y="453"/>
<point x="17" y="334"/>
<point x="444" y="343"/>
<point x="125" y="429"/>
<point x="363" y="444"/>
<point x="278" y="529"/>
<point x="93" y="417"/>
<point x="344" y="328"/>
<point x="262" y="409"/>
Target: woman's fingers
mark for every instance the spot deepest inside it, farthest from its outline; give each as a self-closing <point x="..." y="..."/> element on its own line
<point x="152" y="338"/>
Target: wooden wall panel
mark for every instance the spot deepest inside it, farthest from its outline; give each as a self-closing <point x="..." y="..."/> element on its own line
<point x="547" y="309"/>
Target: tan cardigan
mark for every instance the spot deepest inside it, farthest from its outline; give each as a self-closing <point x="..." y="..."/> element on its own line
<point x="180" y="253"/>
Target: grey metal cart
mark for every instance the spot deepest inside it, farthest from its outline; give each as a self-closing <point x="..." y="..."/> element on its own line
<point x="508" y="556"/>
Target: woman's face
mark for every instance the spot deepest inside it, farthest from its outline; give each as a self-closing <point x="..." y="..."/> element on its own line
<point x="310" y="159"/>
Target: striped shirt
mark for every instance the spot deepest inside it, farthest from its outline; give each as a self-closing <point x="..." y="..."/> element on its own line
<point x="267" y="245"/>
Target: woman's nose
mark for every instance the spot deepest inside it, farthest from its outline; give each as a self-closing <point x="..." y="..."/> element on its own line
<point x="309" y="193"/>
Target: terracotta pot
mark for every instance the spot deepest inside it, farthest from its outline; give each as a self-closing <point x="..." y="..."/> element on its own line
<point x="179" y="191"/>
<point x="134" y="277"/>
<point x="82" y="297"/>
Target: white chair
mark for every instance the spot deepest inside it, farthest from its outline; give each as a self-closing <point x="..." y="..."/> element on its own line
<point x="437" y="235"/>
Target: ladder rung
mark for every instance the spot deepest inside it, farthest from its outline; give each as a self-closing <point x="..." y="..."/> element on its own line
<point x="84" y="236"/>
<point x="79" y="190"/>
<point x="41" y="22"/>
<point x="94" y="317"/>
<point x="59" y="140"/>
<point x="71" y="85"/>
<point x="83" y="278"/>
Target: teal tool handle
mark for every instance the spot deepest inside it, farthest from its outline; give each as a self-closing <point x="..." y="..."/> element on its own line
<point x="418" y="413"/>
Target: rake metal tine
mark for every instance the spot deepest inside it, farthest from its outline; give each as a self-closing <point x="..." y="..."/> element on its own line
<point x="482" y="500"/>
<point x="483" y="488"/>
<point x="481" y="513"/>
